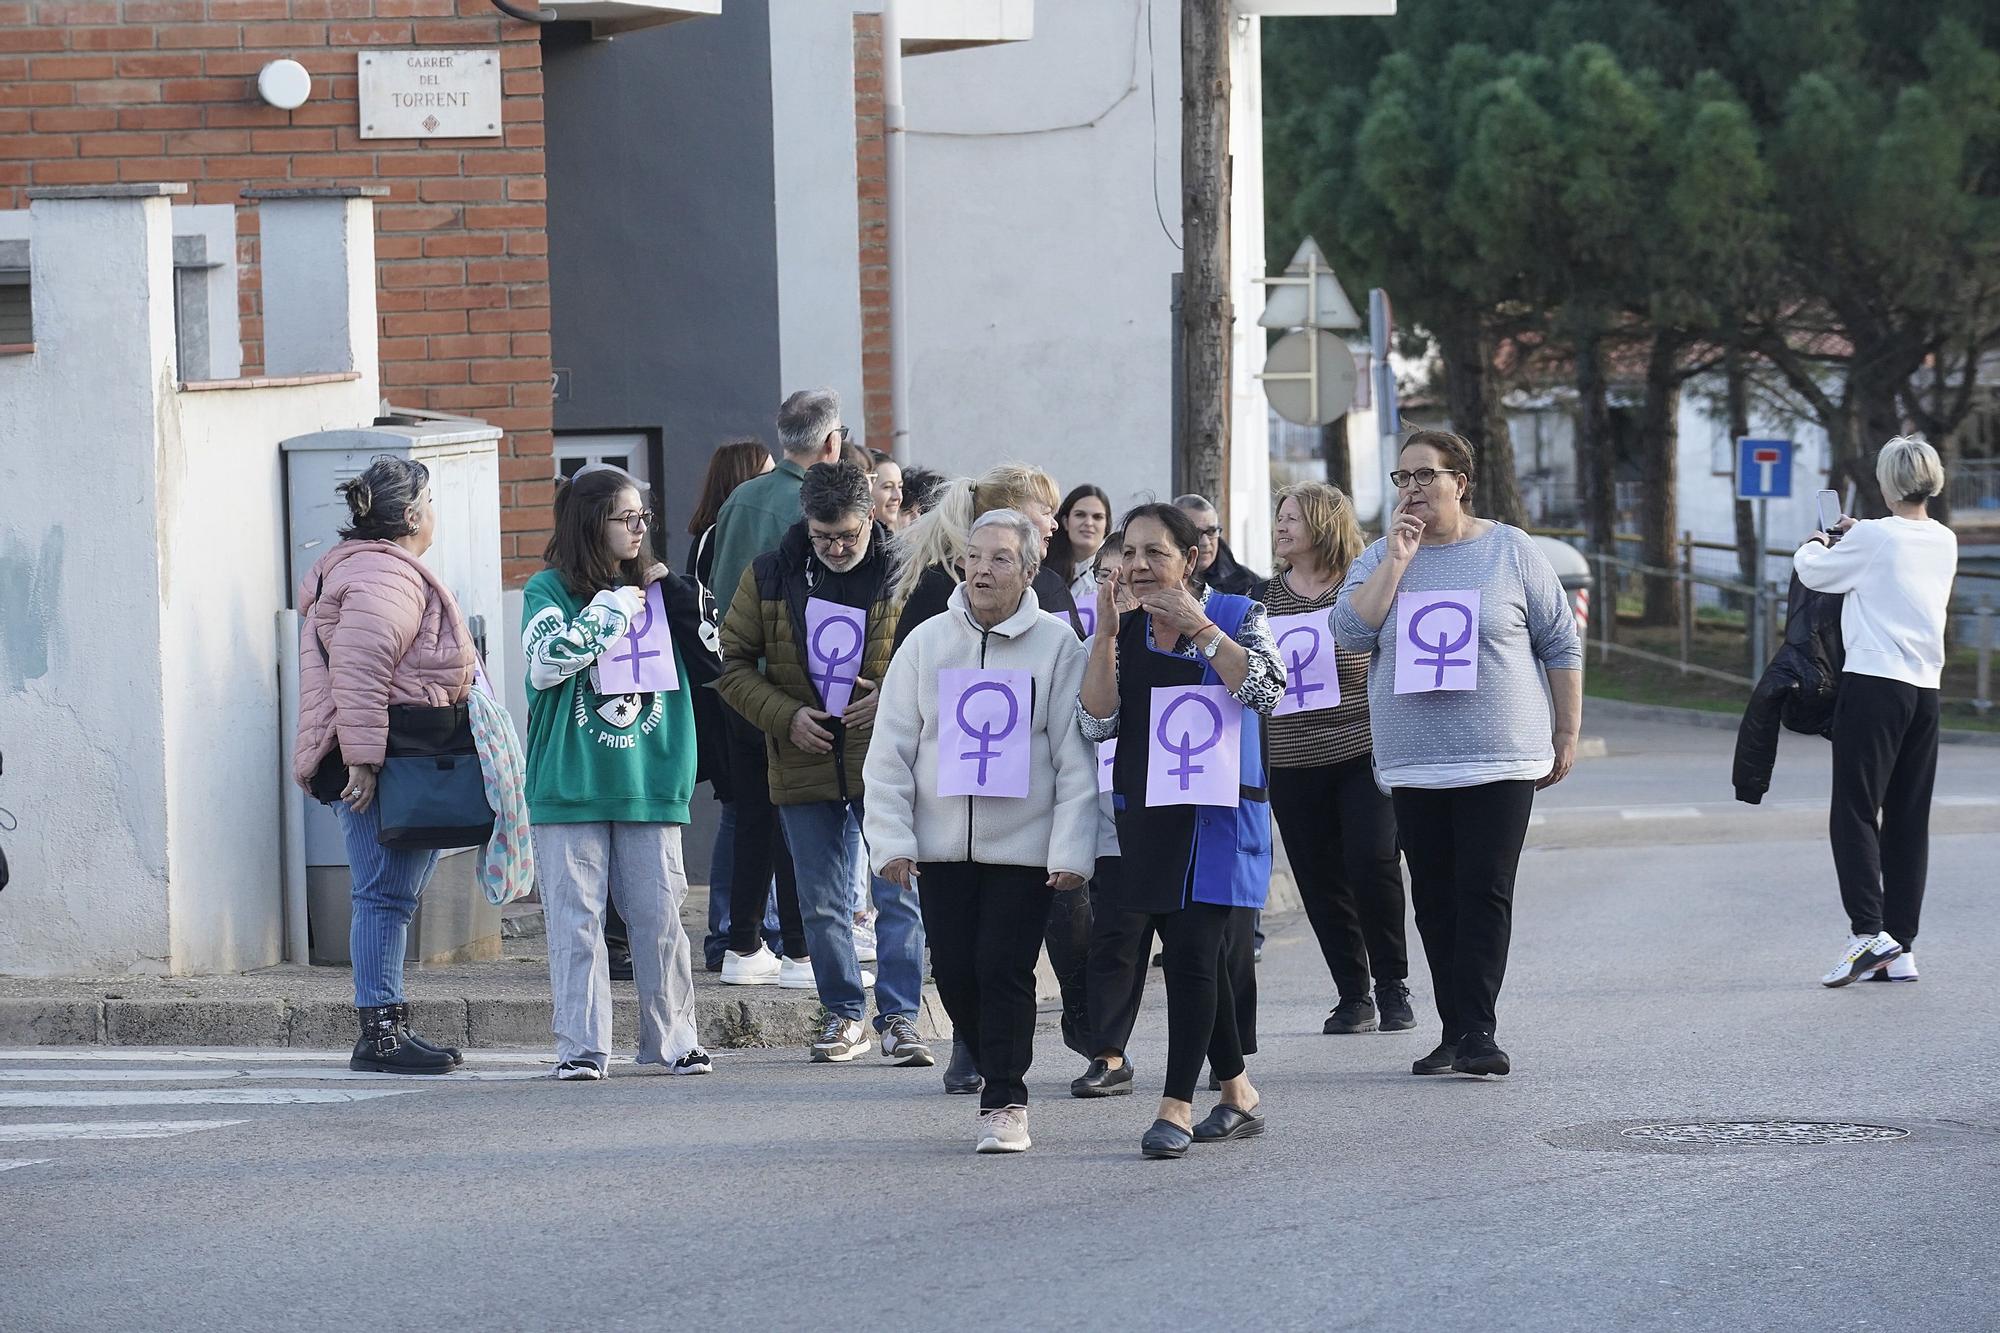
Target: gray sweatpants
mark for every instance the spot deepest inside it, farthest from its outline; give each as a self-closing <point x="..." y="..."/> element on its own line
<point x="639" y="865"/>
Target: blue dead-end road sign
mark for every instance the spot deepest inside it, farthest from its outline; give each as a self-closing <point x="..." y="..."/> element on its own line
<point x="1763" y="469"/>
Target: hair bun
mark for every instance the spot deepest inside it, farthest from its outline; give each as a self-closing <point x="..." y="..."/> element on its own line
<point x="360" y="498"/>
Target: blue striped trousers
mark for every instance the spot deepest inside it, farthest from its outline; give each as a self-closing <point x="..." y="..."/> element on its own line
<point x="387" y="884"/>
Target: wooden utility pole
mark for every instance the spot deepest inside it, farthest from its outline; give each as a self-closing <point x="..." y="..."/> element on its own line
<point x="1207" y="318"/>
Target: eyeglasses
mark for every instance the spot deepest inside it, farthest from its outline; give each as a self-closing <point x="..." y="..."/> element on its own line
<point x="634" y="521"/>
<point x="1208" y="534"/>
<point x="1423" y="476"/>
<point x="845" y="433"/>
<point x="833" y="541"/>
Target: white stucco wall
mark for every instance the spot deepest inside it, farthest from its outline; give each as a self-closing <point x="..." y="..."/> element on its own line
<point x="1041" y="280"/>
<point x="1707" y="501"/>
<point x="82" y="720"/>
<point x="140" y="577"/>
<point x="818" y="214"/>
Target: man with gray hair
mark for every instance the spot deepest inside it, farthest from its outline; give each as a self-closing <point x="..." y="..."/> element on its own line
<point x="807" y="640"/>
<point x="1217" y="567"/>
<point x="753" y="520"/>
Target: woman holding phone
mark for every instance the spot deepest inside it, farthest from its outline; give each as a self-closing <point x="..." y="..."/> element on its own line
<point x="1895" y="574"/>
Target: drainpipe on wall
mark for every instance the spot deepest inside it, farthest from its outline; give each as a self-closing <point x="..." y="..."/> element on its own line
<point x="893" y="139"/>
<point x="293" y="809"/>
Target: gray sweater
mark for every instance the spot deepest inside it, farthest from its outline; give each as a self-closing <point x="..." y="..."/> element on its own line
<point x="1524" y="625"/>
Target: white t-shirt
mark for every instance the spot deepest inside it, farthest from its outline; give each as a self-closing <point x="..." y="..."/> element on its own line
<point x="1896" y="574"/>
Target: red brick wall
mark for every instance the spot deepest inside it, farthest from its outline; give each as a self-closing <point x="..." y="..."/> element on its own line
<point x="99" y="91"/>
<point x="871" y="178"/>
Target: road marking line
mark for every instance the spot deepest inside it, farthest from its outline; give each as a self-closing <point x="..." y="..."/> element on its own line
<point x="195" y="1075"/>
<point x="1967" y="800"/>
<point x="240" y="1055"/>
<point x="33" y="1161"/>
<point x="55" y="1130"/>
<point x="1660" y="812"/>
<point x="199" y="1097"/>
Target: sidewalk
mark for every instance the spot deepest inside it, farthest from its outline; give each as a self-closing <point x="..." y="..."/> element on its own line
<point x="499" y="1004"/>
<point x="504" y="1003"/>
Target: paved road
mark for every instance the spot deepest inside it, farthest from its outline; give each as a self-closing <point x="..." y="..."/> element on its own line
<point x="1658" y="977"/>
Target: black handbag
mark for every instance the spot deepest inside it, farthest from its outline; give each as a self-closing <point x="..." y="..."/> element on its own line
<point x="429" y="794"/>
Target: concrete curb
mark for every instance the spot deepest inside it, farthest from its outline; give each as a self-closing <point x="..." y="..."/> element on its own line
<point x="726" y="1017"/>
<point x="1701" y="717"/>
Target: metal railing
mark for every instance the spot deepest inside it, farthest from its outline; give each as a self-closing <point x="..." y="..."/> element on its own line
<point x="1973" y="487"/>
<point x="1760" y="620"/>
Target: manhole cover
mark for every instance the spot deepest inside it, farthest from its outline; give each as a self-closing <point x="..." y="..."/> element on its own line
<point x="1781" y="1132"/>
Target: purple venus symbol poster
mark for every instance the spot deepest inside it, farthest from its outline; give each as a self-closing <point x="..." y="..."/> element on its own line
<point x="834" y="638"/>
<point x="1312" y="675"/>
<point x="641" y="660"/>
<point x="985" y="724"/>
<point x="1107" y="756"/>
<point x="1437" y="641"/>
<point x="1086" y="619"/>
<point x="1194" y="752"/>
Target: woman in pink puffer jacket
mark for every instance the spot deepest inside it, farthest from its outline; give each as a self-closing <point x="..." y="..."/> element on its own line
<point x="377" y="628"/>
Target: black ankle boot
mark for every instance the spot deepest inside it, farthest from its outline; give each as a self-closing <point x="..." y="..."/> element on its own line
<point x="383" y="1048"/>
<point x="423" y="1043"/>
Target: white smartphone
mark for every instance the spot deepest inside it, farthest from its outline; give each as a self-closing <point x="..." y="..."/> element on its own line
<point x="1829" y="509"/>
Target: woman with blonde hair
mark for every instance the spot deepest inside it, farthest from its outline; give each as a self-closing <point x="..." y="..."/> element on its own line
<point x="1895" y="574"/>
<point x="929" y="550"/>
<point x="1339" y="828"/>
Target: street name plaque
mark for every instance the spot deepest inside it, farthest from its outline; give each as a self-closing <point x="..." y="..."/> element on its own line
<point x="430" y="94"/>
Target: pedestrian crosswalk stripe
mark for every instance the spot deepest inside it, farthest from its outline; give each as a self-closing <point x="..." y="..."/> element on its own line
<point x="240" y="1055"/>
<point x="7" y="1165"/>
<point x="225" y="1073"/>
<point x="59" y="1130"/>
<point x="195" y="1096"/>
<point x="1660" y="812"/>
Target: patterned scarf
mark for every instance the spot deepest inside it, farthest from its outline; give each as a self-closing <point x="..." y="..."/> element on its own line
<point x="507" y="863"/>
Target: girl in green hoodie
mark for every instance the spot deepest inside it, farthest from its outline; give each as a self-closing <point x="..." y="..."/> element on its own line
<point x="609" y="777"/>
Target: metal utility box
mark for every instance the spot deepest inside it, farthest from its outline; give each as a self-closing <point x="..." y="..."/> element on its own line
<point x="454" y="922"/>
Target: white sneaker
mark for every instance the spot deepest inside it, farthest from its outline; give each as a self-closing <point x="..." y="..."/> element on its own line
<point x="864" y="943"/>
<point x="751" y="969"/>
<point x="840" y="1040"/>
<point x="1005" y="1130"/>
<point x="1903" y="968"/>
<point x="1865" y="953"/>
<point x="797" y="974"/>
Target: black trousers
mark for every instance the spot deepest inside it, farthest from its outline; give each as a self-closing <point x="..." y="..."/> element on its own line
<point x="1464" y="845"/>
<point x="1885" y="745"/>
<point x="1068" y="940"/>
<point x="985" y="925"/>
<point x="1201" y="1007"/>
<point x="1115" y="970"/>
<point x="1340" y="836"/>
<point x="760" y="847"/>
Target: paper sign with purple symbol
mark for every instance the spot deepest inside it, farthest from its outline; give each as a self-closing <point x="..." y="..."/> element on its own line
<point x="1312" y="675"/>
<point x="1437" y="641"/>
<point x="1107" y="755"/>
<point x="985" y="732"/>
<point x="835" y="635"/>
<point x="1086" y="619"/>
<point x="1194" y="753"/>
<point x="641" y="660"/>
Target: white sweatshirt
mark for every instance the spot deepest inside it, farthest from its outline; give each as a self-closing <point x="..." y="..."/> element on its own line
<point x="1054" y="827"/>
<point x="1896" y="574"/>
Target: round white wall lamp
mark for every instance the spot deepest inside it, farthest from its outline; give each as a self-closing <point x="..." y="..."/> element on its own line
<point x="284" y="83"/>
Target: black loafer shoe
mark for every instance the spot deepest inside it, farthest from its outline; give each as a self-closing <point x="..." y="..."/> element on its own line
<point x="1101" y="1080"/>
<point x="1227" y="1122"/>
<point x="1438" y="1061"/>
<point x="961" y="1075"/>
<point x="1165" y="1139"/>
<point x="1478" y="1053"/>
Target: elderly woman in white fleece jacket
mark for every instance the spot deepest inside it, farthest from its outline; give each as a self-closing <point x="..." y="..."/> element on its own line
<point x="983" y="795"/>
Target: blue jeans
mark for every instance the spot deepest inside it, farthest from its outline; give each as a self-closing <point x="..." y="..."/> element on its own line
<point x="818" y="835"/>
<point x="387" y="884"/>
<point x="722" y="874"/>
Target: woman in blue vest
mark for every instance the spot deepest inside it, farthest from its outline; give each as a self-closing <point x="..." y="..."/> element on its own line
<point x="1191" y="868"/>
